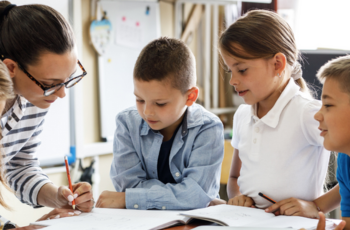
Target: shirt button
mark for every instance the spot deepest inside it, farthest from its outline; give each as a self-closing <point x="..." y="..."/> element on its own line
<point x="136" y="206"/>
<point x="163" y="207"/>
<point x="257" y="129"/>
<point x="254" y="141"/>
<point x="177" y="174"/>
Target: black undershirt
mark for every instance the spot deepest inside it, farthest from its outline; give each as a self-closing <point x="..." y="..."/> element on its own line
<point x="163" y="166"/>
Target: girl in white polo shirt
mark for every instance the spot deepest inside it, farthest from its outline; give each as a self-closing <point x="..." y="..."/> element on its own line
<point x="278" y="149"/>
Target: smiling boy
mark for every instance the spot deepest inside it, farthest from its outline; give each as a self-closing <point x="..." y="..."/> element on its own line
<point x="334" y="119"/>
<point x="168" y="150"/>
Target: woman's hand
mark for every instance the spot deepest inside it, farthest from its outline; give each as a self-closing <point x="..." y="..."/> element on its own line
<point x="82" y="195"/>
<point x="294" y="207"/>
<point x="60" y="213"/>
<point x="242" y="200"/>
<point x="110" y="199"/>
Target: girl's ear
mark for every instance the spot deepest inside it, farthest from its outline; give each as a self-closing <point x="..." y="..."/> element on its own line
<point x="11" y="66"/>
<point x="192" y="95"/>
<point x="280" y="63"/>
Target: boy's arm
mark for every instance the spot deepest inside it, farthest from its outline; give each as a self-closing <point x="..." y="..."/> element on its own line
<point x="329" y="201"/>
<point x="200" y="179"/>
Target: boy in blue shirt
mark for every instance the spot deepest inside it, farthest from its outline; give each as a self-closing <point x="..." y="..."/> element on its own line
<point x="167" y="150"/>
<point x="334" y="118"/>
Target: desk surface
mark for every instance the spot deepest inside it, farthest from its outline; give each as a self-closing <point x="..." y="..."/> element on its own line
<point x="195" y="223"/>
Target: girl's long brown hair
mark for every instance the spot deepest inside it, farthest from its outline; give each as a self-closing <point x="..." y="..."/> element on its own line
<point x="261" y="34"/>
<point x="6" y="92"/>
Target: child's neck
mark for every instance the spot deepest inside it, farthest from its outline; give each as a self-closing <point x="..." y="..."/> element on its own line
<point x="264" y="106"/>
<point x="169" y="131"/>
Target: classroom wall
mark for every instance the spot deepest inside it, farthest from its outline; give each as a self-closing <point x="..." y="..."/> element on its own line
<point x="23" y="214"/>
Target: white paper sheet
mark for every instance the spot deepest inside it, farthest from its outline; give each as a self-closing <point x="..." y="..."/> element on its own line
<point x="113" y="219"/>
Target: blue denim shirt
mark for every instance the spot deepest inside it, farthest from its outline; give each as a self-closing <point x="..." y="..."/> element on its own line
<point x="195" y="161"/>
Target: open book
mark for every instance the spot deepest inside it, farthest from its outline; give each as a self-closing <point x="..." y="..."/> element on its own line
<point x="234" y="216"/>
<point x="226" y="215"/>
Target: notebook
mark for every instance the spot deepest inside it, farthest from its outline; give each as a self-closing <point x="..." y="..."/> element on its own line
<point x="225" y="215"/>
<point x="235" y="216"/>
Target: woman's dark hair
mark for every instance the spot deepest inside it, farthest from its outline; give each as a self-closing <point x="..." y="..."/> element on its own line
<point x="28" y="31"/>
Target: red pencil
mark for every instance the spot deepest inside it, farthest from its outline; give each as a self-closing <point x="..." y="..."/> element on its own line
<point x="69" y="181"/>
<point x="267" y="198"/>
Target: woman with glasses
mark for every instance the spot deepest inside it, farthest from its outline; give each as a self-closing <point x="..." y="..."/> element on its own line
<point x="6" y="93"/>
<point x="37" y="45"/>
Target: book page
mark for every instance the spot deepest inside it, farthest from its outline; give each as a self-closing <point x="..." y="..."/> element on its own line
<point x="116" y="219"/>
<point x="295" y="222"/>
<point x="230" y="215"/>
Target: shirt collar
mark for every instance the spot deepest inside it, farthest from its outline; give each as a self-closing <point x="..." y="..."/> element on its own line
<point x="192" y="118"/>
<point x="272" y="117"/>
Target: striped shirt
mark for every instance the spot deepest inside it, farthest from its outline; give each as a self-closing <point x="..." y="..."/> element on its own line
<point x="20" y="142"/>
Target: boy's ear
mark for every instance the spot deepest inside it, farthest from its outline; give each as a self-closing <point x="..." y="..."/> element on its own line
<point x="280" y="63"/>
<point x="192" y="95"/>
<point x="11" y="66"/>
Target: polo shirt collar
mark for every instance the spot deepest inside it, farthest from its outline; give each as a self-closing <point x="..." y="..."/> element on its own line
<point x="272" y="117"/>
<point x="192" y="118"/>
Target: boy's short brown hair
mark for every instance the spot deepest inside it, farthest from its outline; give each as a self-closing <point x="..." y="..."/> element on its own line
<point x="337" y="69"/>
<point x="167" y="59"/>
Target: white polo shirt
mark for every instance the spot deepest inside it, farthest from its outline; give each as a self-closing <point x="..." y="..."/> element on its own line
<point x="282" y="153"/>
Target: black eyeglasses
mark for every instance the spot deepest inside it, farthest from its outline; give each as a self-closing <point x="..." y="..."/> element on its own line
<point x="68" y="84"/>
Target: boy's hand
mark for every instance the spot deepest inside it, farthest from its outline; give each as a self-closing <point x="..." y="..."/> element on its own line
<point x="110" y="199"/>
<point x="322" y="223"/>
<point x="217" y="202"/>
<point x="294" y="207"/>
<point x="242" y="200"/>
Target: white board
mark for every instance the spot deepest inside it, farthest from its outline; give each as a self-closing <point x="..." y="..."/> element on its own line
<point x="55" y="138"/>
<point x="132" y="29"/>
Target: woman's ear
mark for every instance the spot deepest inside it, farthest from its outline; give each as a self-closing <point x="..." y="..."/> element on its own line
<point x="12" y="66"/>
<point x="280" y="63"/>
<point x="192" y="95"/>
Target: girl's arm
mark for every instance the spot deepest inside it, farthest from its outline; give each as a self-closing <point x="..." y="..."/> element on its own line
<point x="234" y="195"/>
<point x="297" y="207"/>
<point x="232" y="186"/>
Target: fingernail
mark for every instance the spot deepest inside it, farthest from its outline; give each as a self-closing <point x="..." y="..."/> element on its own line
<point x="71" y="213"/>
<point x="75" y="196"/>
<point x="77" y="212"/>
<point x="56" y="217"/>
<point x="70" y="198"/>
<point x="266" y="210"/>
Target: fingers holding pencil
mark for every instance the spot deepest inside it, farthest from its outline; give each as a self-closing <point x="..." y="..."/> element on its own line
<point x="84" y="201"/>
<point x="294" y="207"/>
<point x="82" y="196"/>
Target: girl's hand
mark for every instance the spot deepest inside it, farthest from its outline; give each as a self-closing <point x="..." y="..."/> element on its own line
<point x="322" y="223"/>
<point x="242" y="200"/>
<point x="60" y="213"/>
<point x="110" y="199"/>
<point x="294" y="207"/>
<point x="217" y="202"/>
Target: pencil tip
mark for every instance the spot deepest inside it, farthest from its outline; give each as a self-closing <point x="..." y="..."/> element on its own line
<point x="73" y="206"/>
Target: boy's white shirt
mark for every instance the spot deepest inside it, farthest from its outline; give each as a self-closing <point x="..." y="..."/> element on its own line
<point x="282" y="153"/>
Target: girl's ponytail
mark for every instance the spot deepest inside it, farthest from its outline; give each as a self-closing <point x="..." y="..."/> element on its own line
<point x="262" y="34"/>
